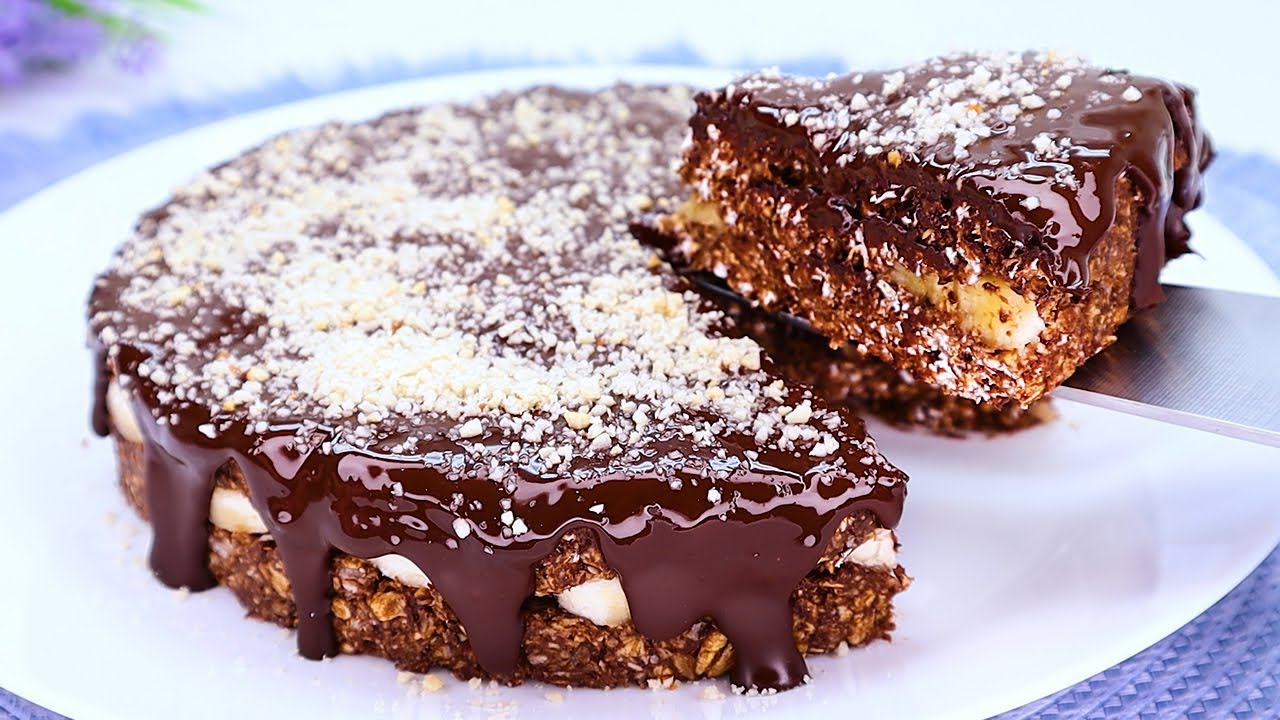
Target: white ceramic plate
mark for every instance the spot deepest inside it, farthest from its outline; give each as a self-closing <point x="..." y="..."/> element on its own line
<point x="1039" y="559"/>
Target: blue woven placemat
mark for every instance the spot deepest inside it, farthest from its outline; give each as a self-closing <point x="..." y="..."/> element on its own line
<point x="1223" y="664"/>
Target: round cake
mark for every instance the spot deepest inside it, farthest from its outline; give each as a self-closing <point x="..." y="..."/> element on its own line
<point x="412" y="386"/>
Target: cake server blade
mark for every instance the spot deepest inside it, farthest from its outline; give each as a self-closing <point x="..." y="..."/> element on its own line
<point x="1206" y="359"/>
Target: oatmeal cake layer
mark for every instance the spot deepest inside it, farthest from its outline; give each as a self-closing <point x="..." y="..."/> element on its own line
<point x="983" y="222"/>
<point x="429" y="341"/>
<point x="843" y="375"/>
<point x="846" y="600"/>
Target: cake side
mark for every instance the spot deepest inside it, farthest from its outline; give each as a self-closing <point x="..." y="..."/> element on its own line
<point x="984" y="222"/>
<point x="845" y="600"/>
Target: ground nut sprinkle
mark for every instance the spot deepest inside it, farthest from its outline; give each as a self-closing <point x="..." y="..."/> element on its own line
<point x="452" y="271"/>
<point x="940" y="107"/>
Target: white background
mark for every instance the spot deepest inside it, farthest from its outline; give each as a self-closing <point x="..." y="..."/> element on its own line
<point x="1227" y="49"/>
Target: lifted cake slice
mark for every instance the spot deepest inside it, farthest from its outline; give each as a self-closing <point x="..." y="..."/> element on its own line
<point x="983" y="222"/>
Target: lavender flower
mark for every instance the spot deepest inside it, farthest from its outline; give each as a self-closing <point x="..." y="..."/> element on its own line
<point x="40" y="35"/>
<point x="138" y="55"/>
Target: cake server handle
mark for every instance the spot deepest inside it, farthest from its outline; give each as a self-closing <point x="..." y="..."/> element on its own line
<point x="1206" y="359"/>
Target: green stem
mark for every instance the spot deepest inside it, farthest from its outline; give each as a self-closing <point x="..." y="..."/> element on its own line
<point x="116" y="23"/>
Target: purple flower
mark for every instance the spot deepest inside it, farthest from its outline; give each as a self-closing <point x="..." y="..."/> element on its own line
<point x="62" y="41"/>
<point x="10" y="68"/>
<point x="14" y="16"/>
<point x="35" y="35"/>
<point x="137" y="55"/>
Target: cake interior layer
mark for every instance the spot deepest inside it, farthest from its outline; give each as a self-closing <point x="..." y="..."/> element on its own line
<point x="843" y="375"/>
<point x="834" y="607"/>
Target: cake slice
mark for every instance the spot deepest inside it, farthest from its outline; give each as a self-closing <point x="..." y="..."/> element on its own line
<point x="410" y="386"/>
<point x="981" y="222"/>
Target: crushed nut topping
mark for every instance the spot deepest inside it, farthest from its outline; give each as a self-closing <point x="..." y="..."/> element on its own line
<point x="461" y="272"/>
<point x="940" y="107"/>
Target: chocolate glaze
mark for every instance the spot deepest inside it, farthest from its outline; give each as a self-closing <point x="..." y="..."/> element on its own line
<point x="1110" y="138"/>
<point x="682" y="554"/>
<point x="98" y="417"/>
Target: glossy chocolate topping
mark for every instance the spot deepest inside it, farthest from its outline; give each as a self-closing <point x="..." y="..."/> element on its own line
<point x="430" y="335"/>
<point x="1035" y="143"/>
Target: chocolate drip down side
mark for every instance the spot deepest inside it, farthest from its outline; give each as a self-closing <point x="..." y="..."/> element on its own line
<point x="99" y="421"/>
<point x="1144" y="141"/>
<point x="736" y="561"/>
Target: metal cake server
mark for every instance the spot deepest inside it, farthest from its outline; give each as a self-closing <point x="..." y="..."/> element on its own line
<point x="1206" y="359"/>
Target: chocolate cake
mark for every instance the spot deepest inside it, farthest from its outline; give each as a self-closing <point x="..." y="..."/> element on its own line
<point x="410" y="386"/>
<point x="981" y="222"/>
